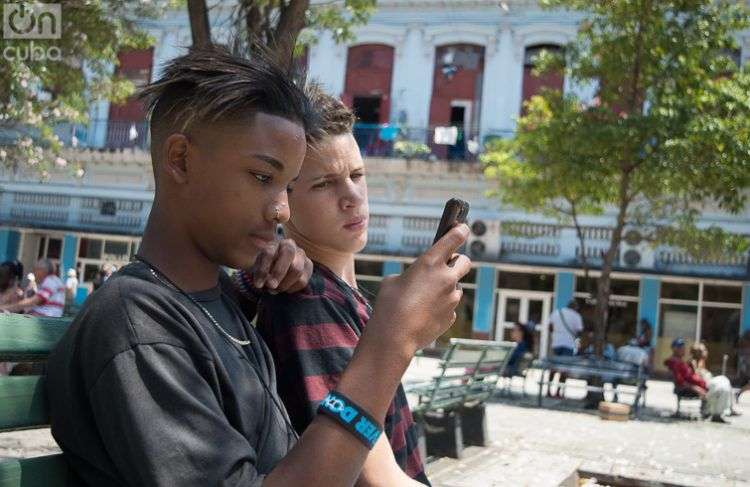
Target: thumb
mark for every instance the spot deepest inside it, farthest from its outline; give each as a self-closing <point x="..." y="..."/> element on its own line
<point x="444" y="248"/>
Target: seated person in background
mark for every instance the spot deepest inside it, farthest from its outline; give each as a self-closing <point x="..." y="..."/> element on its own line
<point x="717" y="393"/>
<point x="698" y="361"/>
<point x="49" y="299"/>
<point x="523" y="336"/>
<point x="312" y="334"/>
<point x="10" y="292"/>
<point x="633" y="354"/>
<point x="743" y="363"/>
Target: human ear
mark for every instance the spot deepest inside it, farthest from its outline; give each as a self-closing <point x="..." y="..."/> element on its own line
<point x="175" y="165"/>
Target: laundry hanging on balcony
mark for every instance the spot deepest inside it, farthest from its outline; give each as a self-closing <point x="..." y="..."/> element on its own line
<point x="446" y="135"/>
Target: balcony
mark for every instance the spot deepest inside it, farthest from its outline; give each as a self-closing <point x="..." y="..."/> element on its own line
<point x="105" y="134"/>
<point x="421" y="143"/>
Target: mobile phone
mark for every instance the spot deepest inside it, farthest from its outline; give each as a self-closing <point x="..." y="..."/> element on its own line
<point x="456" y="210"/>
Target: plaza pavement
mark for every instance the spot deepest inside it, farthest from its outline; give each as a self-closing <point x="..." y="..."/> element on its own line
<point x="543" y="447"/>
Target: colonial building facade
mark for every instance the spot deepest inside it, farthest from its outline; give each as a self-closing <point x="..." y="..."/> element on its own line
<point x="446" y="75"/>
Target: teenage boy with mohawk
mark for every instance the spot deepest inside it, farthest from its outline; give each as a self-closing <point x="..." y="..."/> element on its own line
<point x="161" y="381"/>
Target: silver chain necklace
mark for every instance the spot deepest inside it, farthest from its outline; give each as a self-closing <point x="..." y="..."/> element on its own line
<point x="165" y="280"/>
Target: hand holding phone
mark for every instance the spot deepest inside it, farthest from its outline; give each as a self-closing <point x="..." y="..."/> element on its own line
<point x="455" y="212"/>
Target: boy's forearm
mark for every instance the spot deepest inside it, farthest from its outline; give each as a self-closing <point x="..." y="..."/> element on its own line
<point x="370" y="381"/>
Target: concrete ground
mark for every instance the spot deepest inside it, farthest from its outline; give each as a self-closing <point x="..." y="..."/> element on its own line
<point x="533" y="446"/>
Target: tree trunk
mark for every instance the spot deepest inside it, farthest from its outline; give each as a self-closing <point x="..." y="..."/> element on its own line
<point x="291" y="22"/>
<point x="199" y="26"/>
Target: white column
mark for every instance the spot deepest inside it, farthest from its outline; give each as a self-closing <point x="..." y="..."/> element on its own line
<point x="492" y="92"/>
<point x="411" y="90"/>
<point x="507" y="81"/>
<point x="328" y="64"/>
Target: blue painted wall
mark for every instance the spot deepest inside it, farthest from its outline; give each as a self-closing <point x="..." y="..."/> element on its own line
<point x="648" y="308"/>
<point x="745" y="325"/>
<point x="9" y="242"/>
<point x="483" y="302"/>
<point x="565" y="286"/>
<point x="391" y="267"/>
<point x="68" y="261"/>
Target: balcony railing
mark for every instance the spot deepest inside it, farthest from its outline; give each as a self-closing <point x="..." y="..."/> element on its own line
<point x="374" y="140"/>
<point x="427" y="143"/>
<point x="106" y="134"/>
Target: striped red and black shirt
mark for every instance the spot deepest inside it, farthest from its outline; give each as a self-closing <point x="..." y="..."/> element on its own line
<point x="312" y="335"/>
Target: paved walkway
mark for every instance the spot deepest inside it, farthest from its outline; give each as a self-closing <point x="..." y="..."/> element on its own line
<point x="533" y="446"/>
<point x="542" y="447"/>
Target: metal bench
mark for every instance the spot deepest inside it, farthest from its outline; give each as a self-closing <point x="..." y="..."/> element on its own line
<point x="609" y="371"/>
<point x="451" y="406"/>
<point x="23" y="402"/>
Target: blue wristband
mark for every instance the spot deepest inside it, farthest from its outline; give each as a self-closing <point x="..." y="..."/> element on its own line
<point x="341" y="409"/>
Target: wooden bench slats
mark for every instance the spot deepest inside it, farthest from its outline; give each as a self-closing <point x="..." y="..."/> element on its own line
<point x="29" y="337"/>
<point x="46" y="471"/>
<point x="23" y="398"/>
<point x="22" y="402"/>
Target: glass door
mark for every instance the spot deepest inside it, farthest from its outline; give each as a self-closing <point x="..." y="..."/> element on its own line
<point x="524" y="307"/>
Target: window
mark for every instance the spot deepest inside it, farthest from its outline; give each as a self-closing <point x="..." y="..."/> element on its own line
<point x="720" y="330"/>
<point x="90" y="248"/>
<point x="525" y="281"/>
<point x="116" y="248"/>
<point x="619" y="287"/>
<point x="675" y="290"/>
<point x="722" y="294"/>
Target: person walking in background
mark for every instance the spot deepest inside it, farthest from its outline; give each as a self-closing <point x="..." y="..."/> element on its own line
<point x="565" y="325"/>
<point x="49" y="299"/>
<point x="71" y="288"/>
<point x="523" y="336"/>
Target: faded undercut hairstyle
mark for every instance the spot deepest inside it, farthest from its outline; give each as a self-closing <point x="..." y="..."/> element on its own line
<point x="212" y="85"/>
<point x="334" y="118"/>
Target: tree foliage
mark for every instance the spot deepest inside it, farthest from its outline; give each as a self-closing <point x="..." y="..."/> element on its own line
<point x="48" y="82"/>
<point x="286" y="26"/>
<point x="666" y="137"/>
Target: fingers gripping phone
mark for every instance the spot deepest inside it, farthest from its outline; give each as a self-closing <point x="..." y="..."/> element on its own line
<point x="455" y="212"/>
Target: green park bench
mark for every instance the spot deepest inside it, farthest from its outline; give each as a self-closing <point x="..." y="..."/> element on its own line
<point x="23" y="403"/>
<point x="451" y="406"/>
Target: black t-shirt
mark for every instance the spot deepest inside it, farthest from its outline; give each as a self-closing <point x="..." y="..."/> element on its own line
<point x="145" y="391"/>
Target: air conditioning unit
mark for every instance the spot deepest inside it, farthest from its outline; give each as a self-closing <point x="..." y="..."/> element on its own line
<point x="635" y="251"/>
<point x="484" y="240"/>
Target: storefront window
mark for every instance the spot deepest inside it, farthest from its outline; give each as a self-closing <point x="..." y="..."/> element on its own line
<point x="722" y="294"/>
<point x="621" y="287"/>
<point x="676" y="290"/>
<point x="622" y="322"/>
<point x="525" y="281"/>
<point x="90" y="248"/>
<point x="720" y="330"/>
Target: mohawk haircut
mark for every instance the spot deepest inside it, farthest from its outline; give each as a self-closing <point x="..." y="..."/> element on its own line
<point x="211" y="85"/>
<point x="334" y="118"/>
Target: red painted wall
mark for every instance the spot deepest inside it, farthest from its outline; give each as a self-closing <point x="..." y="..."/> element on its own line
<point x="369" y="70"/>
<point x="533" y="85"/>
<point x="135" y="65"/>
<point x="465" y="84"/>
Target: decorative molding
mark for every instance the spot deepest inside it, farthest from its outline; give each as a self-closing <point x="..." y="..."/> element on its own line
<point x="546" y="33"/>
<point x="440" y="35"/>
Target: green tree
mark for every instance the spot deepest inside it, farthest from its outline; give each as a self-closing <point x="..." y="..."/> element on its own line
<point x="48" y="82"/>
<point x="667" y="136"/>
<point x="285" y="26"/>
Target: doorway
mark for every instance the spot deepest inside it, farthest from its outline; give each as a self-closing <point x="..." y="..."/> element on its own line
<point x="523" y="307"/>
